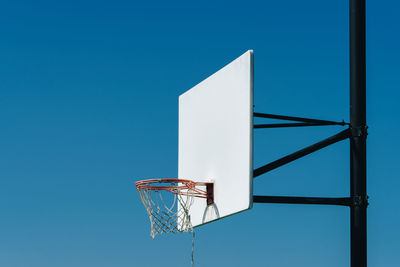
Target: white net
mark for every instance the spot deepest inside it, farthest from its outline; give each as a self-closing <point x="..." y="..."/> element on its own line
<point x="168" y="211"/>
<point x="168" y="202"/>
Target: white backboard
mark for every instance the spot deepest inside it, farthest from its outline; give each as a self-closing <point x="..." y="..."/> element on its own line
<point x="216" y="139"/>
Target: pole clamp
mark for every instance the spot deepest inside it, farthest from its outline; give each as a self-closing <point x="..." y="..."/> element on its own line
<point x="359" y="201"/>
<point x="359" y="131"/>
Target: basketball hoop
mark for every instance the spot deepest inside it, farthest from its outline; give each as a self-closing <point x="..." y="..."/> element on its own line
<point x="172" y="216"/>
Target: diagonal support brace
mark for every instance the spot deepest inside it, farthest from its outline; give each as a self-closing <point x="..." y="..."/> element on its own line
<point x="298" y="119"/>
<point x="303" y="152"/>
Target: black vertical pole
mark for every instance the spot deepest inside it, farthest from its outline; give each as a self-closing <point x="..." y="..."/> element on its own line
<point x="358" y="189"/>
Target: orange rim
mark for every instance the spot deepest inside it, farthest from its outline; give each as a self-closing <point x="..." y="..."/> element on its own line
<point x="180" y="187"/>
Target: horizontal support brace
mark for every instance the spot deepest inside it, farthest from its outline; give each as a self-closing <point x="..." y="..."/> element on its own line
<point x="295" y="124"/>
<point x="303" y="152"/>
<point x="290" y="118"/>
<point x="343" y="201"/>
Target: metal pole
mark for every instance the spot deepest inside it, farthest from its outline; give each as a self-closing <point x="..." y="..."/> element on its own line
<point x="358" y="210"/>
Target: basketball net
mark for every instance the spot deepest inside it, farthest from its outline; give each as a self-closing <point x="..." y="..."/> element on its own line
<point x="172" y="215"/>
<point x="167" y="217"/>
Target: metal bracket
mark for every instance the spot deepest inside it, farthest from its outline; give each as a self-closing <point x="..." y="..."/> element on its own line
<point x="359" y="201"/>
<point x="359" y="131"/>
<point x="210" y="193"/>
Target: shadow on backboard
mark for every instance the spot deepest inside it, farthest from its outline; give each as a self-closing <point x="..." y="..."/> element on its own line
<point x="211" y="213"/>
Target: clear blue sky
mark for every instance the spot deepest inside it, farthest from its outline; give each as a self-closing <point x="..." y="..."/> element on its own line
<point x="88" y="104"/>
